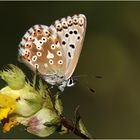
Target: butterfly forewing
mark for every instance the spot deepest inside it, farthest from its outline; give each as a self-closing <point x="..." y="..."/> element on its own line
<point x="71" y="32"/>
<point x="41" y="49"/>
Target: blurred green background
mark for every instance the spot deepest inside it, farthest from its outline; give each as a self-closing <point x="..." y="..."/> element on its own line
<point x="111" y="49"/>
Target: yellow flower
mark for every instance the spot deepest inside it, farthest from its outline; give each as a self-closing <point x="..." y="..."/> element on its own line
<point x="17" y="98"/>
<point x="7" y="106"/>
<point x="8" y="123"/>
<point x="22" y="103"/>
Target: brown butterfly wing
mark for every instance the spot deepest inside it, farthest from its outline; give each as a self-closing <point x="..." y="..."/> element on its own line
<point x="40" y="48"/>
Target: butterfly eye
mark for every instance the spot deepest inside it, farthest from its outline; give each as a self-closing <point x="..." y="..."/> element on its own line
<point x="59" y="53"/>
<point x="71" y="82"/>
<point x="27" y="45"/>
<point x="64" y="24"/>
<point x="34" y="58"/>
<point x="52" y="46"/>
<point x="75" y="20"/>
<point x="69" y="21"/>
<point x="44" y="39"/>
<point x="51" y="61"/>
<point x="81" y="21"/>
<point x="39" y="54"/>
<point x="60" y="62"/>
<point x="58" y="26"/>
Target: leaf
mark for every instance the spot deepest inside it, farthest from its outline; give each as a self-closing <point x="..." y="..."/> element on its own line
<point x="45" y="94"/>
<point x="53" y="122"/>
<point x="43" y="123"/>
<point x="77" y="115"/>
<point x="34" y="79"/>
<point x="27" y="107"/>
<point x="83" y="129"/>
<point x="63" y="130"/>
<point x="14" y="77"/>
<point x="47" y="116"/>
<point x="58" y="104"/>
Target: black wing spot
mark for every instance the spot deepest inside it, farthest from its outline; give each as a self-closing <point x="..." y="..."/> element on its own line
<point x="72" y="46"/>
<point x="66" y="35"/>
<point x="75" y="32"/>
<point x="78" y="37"/>
<point x="71" y="32"/>
<point x="69" y="54"/>
<point x="63" y="42"/>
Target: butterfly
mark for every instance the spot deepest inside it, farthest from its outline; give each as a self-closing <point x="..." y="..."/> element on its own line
<point x="54" y="50"/>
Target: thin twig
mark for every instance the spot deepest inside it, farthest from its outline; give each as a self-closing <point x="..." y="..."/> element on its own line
<point x="71" y="127"/>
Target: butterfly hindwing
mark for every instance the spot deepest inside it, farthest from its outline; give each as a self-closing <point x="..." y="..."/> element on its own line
<point x="41" y="49"/>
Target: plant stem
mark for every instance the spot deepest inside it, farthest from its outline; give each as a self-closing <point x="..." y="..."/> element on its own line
<point x="71" y="127"/>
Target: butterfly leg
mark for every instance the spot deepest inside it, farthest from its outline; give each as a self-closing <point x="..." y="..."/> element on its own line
<point x="62" y="86"/>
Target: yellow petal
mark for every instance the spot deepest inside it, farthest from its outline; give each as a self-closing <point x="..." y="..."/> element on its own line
<point x="4" y="113"/>
<point x="7" y="106"/>
<point x="10" y="92"/>
<point x="6" y="101"/>
<point x="8" y="125"/>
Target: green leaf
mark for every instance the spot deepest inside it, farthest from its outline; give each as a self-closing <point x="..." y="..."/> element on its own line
<point x="53" y="122"/>
<point x="27" y="107"/>
<point x="14" y="77"/>
<point x="45" y="94"/>
<point x="77" y="115"/>
<point x="29" y="101"/>
<point x="34" y="79"/>
<point x="63" y="130"/>
<point x="47" y="116"/>
<point x="58" y="104"/>
<point x="83" y="129"/>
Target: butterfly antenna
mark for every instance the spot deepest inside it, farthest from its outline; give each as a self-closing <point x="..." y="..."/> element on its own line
<point x="86" y="81"/>
<point x="89" y="76"/>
